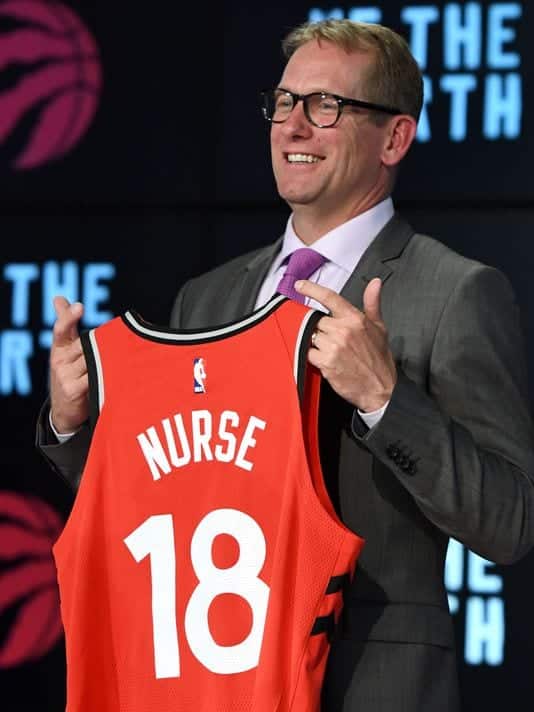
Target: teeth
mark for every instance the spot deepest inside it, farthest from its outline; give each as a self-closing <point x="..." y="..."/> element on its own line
<point x="302" y="158"/>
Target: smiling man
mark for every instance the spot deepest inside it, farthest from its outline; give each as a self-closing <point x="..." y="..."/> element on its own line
<point x="330" y="176"/>
<point x="425" y="424"/>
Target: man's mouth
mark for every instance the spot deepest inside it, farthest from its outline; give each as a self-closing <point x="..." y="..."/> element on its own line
<point x="302" y="158"/>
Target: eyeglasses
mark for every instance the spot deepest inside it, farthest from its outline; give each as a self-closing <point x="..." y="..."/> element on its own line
<point x="321" y="109"/>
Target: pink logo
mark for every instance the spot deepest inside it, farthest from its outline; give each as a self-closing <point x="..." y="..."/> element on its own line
<point x="50" y="80"/>
<point x="28" y="583"/>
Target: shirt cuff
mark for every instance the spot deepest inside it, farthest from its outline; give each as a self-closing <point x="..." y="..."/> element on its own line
<point x="62" y="437"/>
<point x="374" y="416"/>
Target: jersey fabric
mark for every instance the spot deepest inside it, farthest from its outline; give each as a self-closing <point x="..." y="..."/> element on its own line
<point x="202" y="566"/>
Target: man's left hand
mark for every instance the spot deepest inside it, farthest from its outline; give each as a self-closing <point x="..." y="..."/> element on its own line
<point x="351" y="346"/>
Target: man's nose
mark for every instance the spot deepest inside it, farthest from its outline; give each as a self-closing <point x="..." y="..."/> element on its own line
<point x="296" y="123"/>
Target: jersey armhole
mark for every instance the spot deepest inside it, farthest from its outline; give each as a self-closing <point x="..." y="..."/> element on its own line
<point x="308" y="381"/>
<point x="301" y="365"/>
<point x="309" y="388"/>
<point x="310" y="429"/>
<point x="94" y="374"/>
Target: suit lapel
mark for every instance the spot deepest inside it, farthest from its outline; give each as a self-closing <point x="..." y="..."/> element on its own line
<point x="379" y="260"/>
<point x="248" y="283"/>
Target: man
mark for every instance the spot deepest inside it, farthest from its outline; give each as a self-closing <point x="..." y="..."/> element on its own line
<point x="425" y="426"/>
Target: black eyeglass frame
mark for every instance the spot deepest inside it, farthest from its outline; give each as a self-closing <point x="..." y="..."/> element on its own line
<point x="342" y="101"/>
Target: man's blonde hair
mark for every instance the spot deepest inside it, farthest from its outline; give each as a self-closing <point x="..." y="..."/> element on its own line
<point x="393" y="79"/>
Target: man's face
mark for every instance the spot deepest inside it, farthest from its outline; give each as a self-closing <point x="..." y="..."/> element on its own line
<point x="349" y="171"/>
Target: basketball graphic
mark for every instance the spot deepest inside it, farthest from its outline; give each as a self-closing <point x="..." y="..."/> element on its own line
<point x="50" y="81"/>
<point x="29" y="597"/>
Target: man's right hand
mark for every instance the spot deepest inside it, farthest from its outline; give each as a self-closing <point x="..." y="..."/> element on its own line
<point x="69" y="384"/>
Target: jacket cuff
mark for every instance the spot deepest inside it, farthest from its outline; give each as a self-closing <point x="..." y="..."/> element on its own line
<point x="66" y="459"/>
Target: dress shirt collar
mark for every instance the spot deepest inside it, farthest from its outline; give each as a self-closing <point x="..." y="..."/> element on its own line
<point x="345" y="244"/>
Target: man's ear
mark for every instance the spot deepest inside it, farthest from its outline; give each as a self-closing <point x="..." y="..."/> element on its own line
<point x="399" y="137"/>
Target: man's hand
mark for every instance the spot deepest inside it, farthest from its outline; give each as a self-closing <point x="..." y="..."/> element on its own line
<point x="351" y="347"/>
<point x="68" y="371"/>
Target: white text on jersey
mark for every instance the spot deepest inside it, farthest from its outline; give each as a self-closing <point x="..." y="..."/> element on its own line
<point x="167" y="447"/>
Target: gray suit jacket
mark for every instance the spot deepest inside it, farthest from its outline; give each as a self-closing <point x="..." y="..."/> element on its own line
<point x="452" y="456"/>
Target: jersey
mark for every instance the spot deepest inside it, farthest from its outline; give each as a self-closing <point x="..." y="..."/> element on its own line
<point x="202" y="565"/>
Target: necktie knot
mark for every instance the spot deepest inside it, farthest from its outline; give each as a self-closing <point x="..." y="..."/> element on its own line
<point x="302" y="264"/>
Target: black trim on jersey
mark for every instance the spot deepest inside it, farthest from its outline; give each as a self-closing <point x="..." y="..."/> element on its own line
<point x="305" y="341"/>
<point x="325" y="624"/>
<point x="338" y="583"/>
<point x="214" y="333"/>
<point x="92" y="374"/>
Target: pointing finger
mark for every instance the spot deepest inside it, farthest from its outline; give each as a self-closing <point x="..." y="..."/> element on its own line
<point x="336" y="304"/>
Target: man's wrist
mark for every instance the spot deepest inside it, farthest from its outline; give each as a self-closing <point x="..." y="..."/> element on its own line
<point x="373" y="417"/>
<point x="62" y="437"/>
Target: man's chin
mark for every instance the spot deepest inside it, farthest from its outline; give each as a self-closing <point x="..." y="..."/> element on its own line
<point x="296" y="197"/>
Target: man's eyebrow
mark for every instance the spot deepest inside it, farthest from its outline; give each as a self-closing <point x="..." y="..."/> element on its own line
<point x="319" y="90"/>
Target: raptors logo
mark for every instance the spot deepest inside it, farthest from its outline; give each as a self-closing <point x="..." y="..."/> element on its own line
<point x="29" y="596"/>
<point x="50" y="81"/>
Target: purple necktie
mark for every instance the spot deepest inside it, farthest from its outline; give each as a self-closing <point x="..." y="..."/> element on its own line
<point x="302" y="264"/>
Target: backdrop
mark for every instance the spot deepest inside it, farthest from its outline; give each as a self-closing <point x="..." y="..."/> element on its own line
<point x="133" y="156"/>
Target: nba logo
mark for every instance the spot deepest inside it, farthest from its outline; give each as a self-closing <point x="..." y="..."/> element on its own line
<point x="199" y="375"/>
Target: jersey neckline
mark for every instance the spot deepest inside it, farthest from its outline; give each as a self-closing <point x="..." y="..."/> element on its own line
<point x="135" y="322"/>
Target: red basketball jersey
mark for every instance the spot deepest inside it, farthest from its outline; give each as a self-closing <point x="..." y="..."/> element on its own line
<point x="202" y="566"/>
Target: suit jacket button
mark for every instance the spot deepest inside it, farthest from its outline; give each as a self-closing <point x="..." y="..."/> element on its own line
<point x="393" y="452"/>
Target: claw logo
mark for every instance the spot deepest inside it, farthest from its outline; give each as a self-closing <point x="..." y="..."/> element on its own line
<point x="50" y="81"/>
<point x="29" y="596"/>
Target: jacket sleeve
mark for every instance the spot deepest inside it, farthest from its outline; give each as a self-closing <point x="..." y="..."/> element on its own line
<point x="463" y="447"/>
<point x="66" y="459"/>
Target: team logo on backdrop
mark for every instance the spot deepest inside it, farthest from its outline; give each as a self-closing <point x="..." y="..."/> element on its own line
<point x="50" y="81"/>
<point x="199" y="375"/>
<point x="29" y="593"/>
